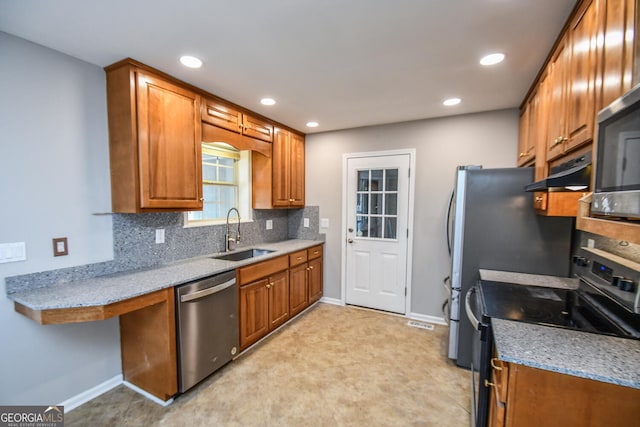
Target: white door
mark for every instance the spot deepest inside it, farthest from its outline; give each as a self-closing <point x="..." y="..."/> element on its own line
<point x="377" y="231"/>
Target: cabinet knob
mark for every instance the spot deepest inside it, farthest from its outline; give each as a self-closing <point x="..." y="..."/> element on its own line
<point x="522" y="155"/>
<point x="268" y="285"/>
<point x="311" y="268"/>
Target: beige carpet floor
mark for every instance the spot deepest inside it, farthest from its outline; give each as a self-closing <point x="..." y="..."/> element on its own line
<point x="332" y="366"/>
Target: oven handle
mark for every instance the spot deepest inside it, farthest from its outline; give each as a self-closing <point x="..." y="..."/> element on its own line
<point x="467" y="308"/>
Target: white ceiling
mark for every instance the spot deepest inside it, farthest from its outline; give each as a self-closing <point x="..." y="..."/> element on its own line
<point x="343" y="63"/>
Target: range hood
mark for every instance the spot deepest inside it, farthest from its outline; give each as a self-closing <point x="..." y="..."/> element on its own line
<point x="569" y="176"/>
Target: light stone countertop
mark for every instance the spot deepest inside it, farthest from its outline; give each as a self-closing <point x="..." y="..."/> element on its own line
<point x="112" y="288"/>
<point x="566" y="351"/>
<point x="529" y="279"/>
<point x="582" y="354"/>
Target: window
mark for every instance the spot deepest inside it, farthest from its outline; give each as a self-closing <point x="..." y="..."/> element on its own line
<point x="225" y="183"/>
<point x="377" y="203"/>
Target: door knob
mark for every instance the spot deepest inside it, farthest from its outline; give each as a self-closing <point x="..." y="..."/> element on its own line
<point x="349" y="240"/>
<point x="350" y="230"/>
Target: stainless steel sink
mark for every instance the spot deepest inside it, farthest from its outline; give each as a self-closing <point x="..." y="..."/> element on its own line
<point x="240" y="255"/>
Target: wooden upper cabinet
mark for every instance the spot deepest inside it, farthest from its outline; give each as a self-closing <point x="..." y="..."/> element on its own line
<point x="221" y="115"/>
<point x="279" y="181"/>
<point x="256" y="128"/>
<point x="557" y="100"/>
<point x="154" y="142"/>
<point x="615" y="44"/>
<point x="582" y="78"/>
<point x="226" y="117"/>
<point x="526" y="147"/>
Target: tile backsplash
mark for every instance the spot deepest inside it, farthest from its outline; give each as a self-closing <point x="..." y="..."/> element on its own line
<point x="134" y="242"/>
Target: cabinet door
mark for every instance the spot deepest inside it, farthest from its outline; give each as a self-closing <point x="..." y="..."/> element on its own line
<point x="296" y="170"/>
<point x="256" y="128"/>
<point x="281" y="170"/>
<point x="616" y="55"/>
<point x="221" y="115"/>
<point x="581" y="79"/>
<point x="254" y="312"/>
<point x="556" y="114"/>
<point x="315" y="280"/>
<point x="298" y="299"/>
<point x="170" y="158"/>
<point x="524" y="154"/>
<point x="278" y="299"/>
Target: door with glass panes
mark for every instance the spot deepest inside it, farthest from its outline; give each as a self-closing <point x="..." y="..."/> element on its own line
<point x="377" y="233"/>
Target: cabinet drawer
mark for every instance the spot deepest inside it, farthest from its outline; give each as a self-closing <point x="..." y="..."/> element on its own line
<point x="314" y="252"/>
<point x="257" y="271"/>
<point x="297" y="258"/>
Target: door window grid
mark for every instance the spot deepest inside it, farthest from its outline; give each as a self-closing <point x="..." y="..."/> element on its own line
<point x="377" y="203"/>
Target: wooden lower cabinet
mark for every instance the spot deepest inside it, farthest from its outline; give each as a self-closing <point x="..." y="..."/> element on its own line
<point x="315" y="280"/>
<point x="298" y="289"/>
<point x="522" y="396"/>
<point x="263" y="298"/>
<point x="148" y="347"/>
<point x="272" y="292"/>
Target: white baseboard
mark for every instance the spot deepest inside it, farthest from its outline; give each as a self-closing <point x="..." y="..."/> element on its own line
<point x="334" y="301"/>
<point x="77" y="400"/>
<point x="148" y="395"/>
<point x="426" y="318"/>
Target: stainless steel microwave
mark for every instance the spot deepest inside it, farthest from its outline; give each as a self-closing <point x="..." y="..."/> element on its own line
<point x="617" y="166"/>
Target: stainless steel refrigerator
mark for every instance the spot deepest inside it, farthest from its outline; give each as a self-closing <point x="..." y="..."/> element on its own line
<point x="492" y="225"/>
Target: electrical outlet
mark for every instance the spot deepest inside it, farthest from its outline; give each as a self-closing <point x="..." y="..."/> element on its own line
<point x="269" y="224"/>
<point x="591" y="243"/>
<point x="305" y="222"/>
<point x="160" y="235"/>
<point x="60" y="247"/>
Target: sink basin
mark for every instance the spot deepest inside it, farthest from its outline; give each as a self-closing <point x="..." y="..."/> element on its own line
<point x="244" y="254"/>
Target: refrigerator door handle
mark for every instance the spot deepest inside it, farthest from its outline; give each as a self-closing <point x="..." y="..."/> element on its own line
<point x="448" y="222"/>
<point x="467" y="308"/>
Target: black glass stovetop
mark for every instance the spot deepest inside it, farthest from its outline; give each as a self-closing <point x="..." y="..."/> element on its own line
<point x="574" y="309"/>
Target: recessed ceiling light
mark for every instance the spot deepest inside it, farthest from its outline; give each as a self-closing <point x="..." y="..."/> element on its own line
<point x="451" y="102"/>
<point x="190" y="61"/>
<point x="312" y="124"/>
<point x="267" y="101"/>
<point x="494" y="58"/>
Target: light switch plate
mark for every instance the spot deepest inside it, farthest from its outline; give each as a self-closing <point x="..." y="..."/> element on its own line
<point x="13" y="252"/>
<point x="324" y="222"/>
<point x="269" y="224"/>
<point x="305" y="222"/>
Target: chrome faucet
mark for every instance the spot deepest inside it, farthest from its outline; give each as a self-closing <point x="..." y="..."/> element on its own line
<point x="227" y="237"/>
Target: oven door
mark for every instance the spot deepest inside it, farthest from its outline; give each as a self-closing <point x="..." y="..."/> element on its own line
<point x="482" y="351"/>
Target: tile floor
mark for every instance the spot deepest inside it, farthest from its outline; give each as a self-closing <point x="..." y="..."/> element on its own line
<point x="332" y="366"/>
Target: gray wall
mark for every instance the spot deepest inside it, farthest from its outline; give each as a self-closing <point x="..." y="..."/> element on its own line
<point x="441" y="144"/>
<point x="54" y="169"/>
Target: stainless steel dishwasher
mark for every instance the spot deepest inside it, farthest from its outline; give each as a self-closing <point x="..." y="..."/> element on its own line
<point x="207" y="326"/>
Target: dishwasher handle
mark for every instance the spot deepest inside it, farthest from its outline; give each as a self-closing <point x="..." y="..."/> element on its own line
<point x="208" y="291"/>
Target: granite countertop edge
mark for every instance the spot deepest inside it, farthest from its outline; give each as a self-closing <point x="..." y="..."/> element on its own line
<point x="112" y="288"/>
<point x="581" y="354"/>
